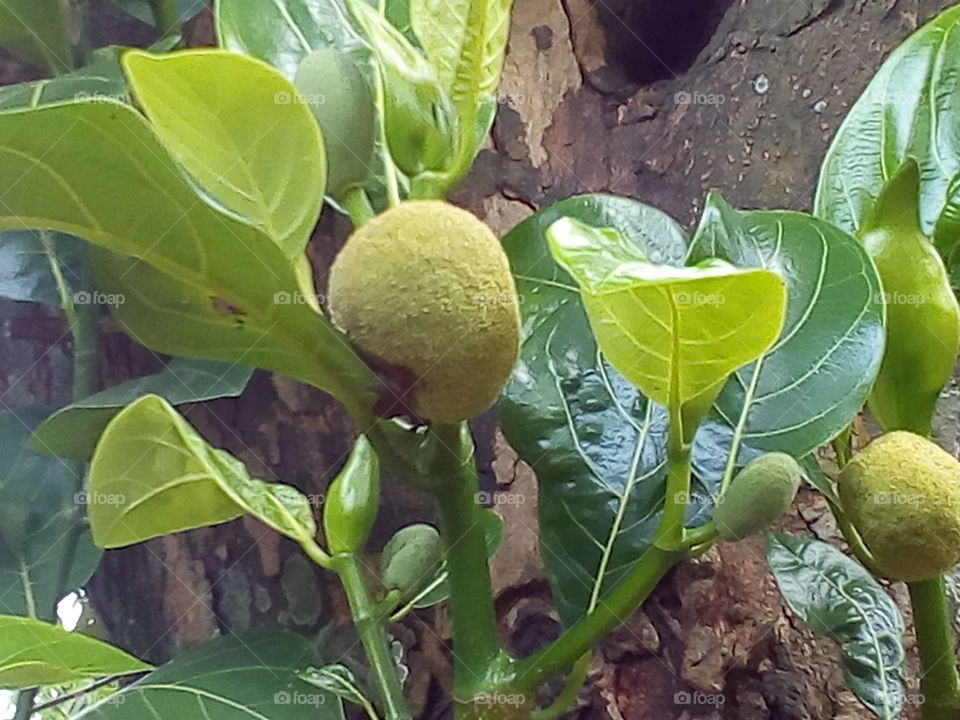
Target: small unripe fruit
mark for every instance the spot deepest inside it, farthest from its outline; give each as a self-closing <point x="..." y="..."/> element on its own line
<point x="757" y="496"/>
<point x="426" y="290"/>
<point x="410" y="559"/>
<point x="902" y="493"/>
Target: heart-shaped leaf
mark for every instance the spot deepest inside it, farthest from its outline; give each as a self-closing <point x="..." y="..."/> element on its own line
<point x="836" y="597"/>
<point x="251" y="676"/>
<point x="152" y="475"/>
<point x="73" y="431"/>
<point x="675" y="332"/>
<point x="34" y="653"/>
<point x="239" y="128"/>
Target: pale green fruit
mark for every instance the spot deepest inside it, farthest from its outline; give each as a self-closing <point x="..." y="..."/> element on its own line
<point x="903" y="495"/>
<point x="759" y="495"/>
<point x="426" y="289"/>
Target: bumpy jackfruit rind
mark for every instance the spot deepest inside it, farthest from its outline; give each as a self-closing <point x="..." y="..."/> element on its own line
<point x="426" y="286"/>
<point x="759" y="495"/>
<point x="902" y="493"/>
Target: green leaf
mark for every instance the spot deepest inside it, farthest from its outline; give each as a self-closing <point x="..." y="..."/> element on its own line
<point x="194" y="281"/>
<point x="252" y="676"/>
<point x="419" y="118"/>
<point x="910" y="108"/>
<point x="26" y="265"/>
<point x="102" y="78"/>
<point x="152" y="474"/>
<point x="74" y="430"/>
<point x="809" y="385"/>
<point x="675" y="332"/>
<point x="37" y="31"/>
<point x="465" y="40"/>
<point x="283" y="32"/>
<point x="45" y="552"/>
<point x="141" y="10"/>
<point x="836" y="597"/>
<point x="34" y="653"/>
<point x="596" y="443"/>
<point x="239" y="128"/>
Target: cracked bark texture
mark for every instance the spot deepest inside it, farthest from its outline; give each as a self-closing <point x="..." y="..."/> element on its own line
<point x="658" y="101"/>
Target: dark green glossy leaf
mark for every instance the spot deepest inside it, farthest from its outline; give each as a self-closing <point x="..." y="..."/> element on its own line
<point x="253" y="676"/>
<point x="836" y="597"/>
<point x="74" y="430"/>
<point x="37" y="31"/>
<point x="41" y="536"/>
<point x="910" y="108"/>
<point x="26" y="263"/>
<point x="809" y="385"/>
<point x="152" y="474"/>
<point x="34" y="653"/>
<point x="596" y="444"/>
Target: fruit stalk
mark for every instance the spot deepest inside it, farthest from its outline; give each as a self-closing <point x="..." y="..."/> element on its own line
<point x="373" y="636"/>
<point x="476" y="650"/>
<point x="940" y="684"/>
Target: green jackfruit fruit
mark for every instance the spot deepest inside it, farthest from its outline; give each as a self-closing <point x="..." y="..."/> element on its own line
<point x="410" y="559"/>
<point x="902" y="493"/>
<point x="426" y="290"/>
<point x="757" y="496"/>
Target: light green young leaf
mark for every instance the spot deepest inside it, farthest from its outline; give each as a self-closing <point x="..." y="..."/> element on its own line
<point x="675" y="332"/>
<point x="240" y="129"/>
<point x="465" y="40"/>
<point x="36" y="31"/>
<point x="153" y="474"/>
<point x="73" y="431"/>
<point x="192" y="281"/>
<point x="34" y="653"/>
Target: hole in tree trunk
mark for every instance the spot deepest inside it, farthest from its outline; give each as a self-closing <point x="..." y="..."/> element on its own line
<point x="654" y="40"/>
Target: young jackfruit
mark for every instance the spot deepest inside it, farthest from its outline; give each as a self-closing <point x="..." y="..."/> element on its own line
<point x="903" y="495"/>
<point x="426" y="290"/>
<point x="758" y="495"/>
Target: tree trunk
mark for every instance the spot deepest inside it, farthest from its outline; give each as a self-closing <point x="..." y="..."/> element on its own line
<point x="658" y="101"/>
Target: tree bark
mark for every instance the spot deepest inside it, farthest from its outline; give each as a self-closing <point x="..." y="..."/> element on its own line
<point x="658" y="101"/>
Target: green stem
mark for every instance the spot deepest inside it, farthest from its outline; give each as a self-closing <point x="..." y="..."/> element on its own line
<point x="670" y="532"/>
<point x="613" y="610"/>
<point x="940" y="685"/>
<point x="373" y="634"/>
<point x="25" y="702"/>
<point x="358" y="207"/>
<point x="569" y="693"/>
<point x="477" y="655"/>
<point x="166" y="13"/>
<point x="389" y="167"/>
